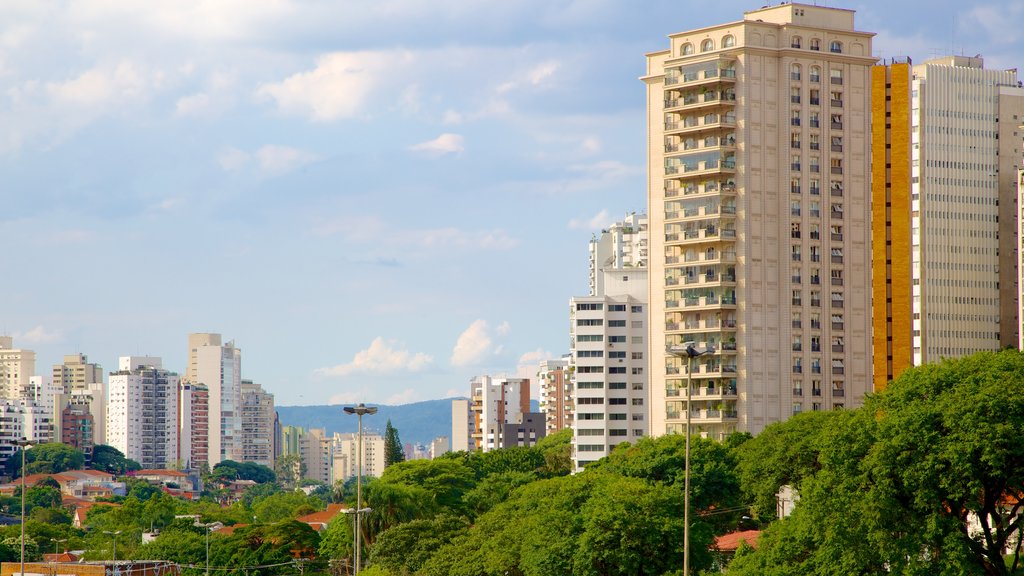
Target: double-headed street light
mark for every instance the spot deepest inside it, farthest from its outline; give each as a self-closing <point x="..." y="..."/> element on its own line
<point x="359" y="410"/>
<point x="113" y="534"/>
<point x="24" y="443"/>
<point x="689" y="352"/>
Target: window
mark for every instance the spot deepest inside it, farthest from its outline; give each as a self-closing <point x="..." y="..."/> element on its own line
<point x="616" y="307"/>
<point x="815" y="98"/>
<point x="589" y="322"/>
<point x="687" y="49"/>
<point x="590" y="338"/>
<point x="637" y="371"/>
<point x="794" y="252"/>
<point x="588" y="306"/>
<point x="836" y="76"/>
<point x="636" y="309"/>
<point x="794" y="230"/>
<point x="815" y="74"/>
<point x="837" y="165"/>
<point x="837" y="99"/>
<point x="794" y="118"/>
<point x="837" y="143"/>
<point x="617" y="401"/>
<point x="794" y="208"/>
<point x="794" y="95"/>
<point x="616" y="416"/>
<point x="795" y="42"/>
<point x="590" y="385"/>
<point x="590" y="354"/>
<point x="836" y="47"/>
<point x="795" y="163"/>
<point x="815" y="120"/>
<point x="592" y="401"/>
<point x="637" y="355"/>
<point x="638" y="401"/>
<point x="794" y="72"/>
<point x="707" y="45"/>
<point x="616" y="385"/>
<point x="617" y="370"/>
<point x="616" y="323"/>
<point x="728" y="42"/>
<point x="837" y="121"/>
<point x="794" y="140"/>
<point x="815" y="44"/>
<point x="815" y="164"/>
<point x="617" y="339"/>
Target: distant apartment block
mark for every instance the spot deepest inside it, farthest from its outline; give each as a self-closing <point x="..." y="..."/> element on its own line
<point x="758" y="190"/>
<point x="219" y="367"/>
<point x="142" y="411"/>
<point x="76" y="373"/>
<point x="945" y="152"/>
<point x="463" y="424"/>
<point x="258" y="417"/>
<point x="439" y="446"/>
<point x="345" y="451"/>
<point x="608" y="344"/>
<point x="556" y="397"/>
<point x="526" y="431"/>
<point x="22" y="419"/>
<point x="194" y="425"/>
<point x="78" y="387"/>
<point x="17" y="366"/>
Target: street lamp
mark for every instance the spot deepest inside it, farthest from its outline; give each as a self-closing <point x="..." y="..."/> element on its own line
<point x="690" y="352"/>
<point x="114" y="536"/>
<point x="359" y="410"/>
<point x="56" y="545"/>
<point x="207" y="528"/>
<point x="24" y="443"/>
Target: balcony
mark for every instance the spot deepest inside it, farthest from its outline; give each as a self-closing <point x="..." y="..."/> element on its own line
<point x="798" y="391"/>
<point x="837" y="125"/>
<point x="703" y="168"/>
<point x="837" y="169"/>
<point x="837" y="348"/>
<point x="837" y="103"/>
<point x="837" y="260"/>
<point x="837" y="80"/>
<point x="693" y="102"/>
<point x="814" y="123"/>
<point x="838" y="370"/>
<point x="815" y="191"/>
<point x="815" y="101"/>
<point x="838" y="392"/>
<point x="837" y="192"/>
<point x="837" y="281"/>
<point x="838" y="326"/>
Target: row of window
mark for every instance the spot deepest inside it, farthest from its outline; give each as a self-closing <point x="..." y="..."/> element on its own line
<point x="611" y="385"/>
<point x="611" y="401"/>
<point x="835" y="75"/>
<point x="707" y="45"/>
<point x="835" y="46"/>
<point x="611" y="323"/>
<point x="729" y="41"/>
<point x="613" y="355"/>
<point x="597" y="306"/>
<point x="795" y="208"/>
<point x="611" y="370"/>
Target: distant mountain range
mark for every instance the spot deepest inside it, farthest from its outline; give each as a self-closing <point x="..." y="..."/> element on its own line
<point x="417" y="423"/>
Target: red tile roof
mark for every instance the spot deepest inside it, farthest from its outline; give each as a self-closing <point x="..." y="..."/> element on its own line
<point x="177" y="473"/>
<point x="730" y="542"/>
<point x="319" y="520"/>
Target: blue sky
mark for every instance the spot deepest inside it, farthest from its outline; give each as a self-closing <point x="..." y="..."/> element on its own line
<point x="376" y="199"/>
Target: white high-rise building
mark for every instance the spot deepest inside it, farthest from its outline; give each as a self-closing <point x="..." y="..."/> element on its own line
<point x="608" y="337"/>
<point x="142" y="411"/>
<point x="219" y="367"/>
<point x="497" y="401"/>
<point x="345" y="450"/>
<point x="258" y="418"/>
<point x="17" y="367"/>
<point x="22" y="419"/>
<point x="759" y="203"/>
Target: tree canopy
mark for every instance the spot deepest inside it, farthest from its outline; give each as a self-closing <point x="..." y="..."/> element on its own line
<point x="927" y="478"/>
<point x="393" y="452"/>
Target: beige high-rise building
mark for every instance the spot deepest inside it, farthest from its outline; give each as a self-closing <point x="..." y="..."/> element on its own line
<point x="345" y="453"/>
<point x="219" y="367"/>
<point x="76" y="373"/>
<point x="258" y="418"/>
<point x="759" y="217"/>
<point x="17" y="367"/>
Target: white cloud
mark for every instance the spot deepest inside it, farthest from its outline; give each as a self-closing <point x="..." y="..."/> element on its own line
<point x="337" y="87"/>
<point x="473" y="345"/>
<point x="590" y="145"/>
<point x="526" y="367"/>
<point x="598" y="221"/>
<point x="382" y="357"/>
<point x="106" y="86"/>
<point x="232" y="159"/>
<point x="504" y="328"/>
<point x="542" y="72"/>
<point x="444" y="144"/>
<point x="277" y="160"/>
<point x="193" y="105"/>
<point x="407" y="396"/>
<point x="38" y="335"/>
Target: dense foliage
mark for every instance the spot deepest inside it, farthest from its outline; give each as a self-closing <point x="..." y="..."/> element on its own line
<point x="393" y="452"/>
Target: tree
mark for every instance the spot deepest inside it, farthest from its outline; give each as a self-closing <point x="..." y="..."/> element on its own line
<point x="290" y="470"/>
<point x="445" y="480"/>
<point x="927" y="478"/>
<point x="404" y="548"/>
<point x="109" y="459"/>
<point x="49" y="458"/>
<point x="247" y="471"/>
<point x="279" y="506"/>
<point x="393" y="452"/>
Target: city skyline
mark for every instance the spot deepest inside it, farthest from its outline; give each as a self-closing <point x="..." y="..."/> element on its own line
<point x="371" y="211"/>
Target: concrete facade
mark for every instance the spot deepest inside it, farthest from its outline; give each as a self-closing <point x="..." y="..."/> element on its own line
<point x="758" y="139"/>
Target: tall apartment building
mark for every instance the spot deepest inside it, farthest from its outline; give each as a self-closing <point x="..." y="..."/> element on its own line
<point x="496" y="401"/>
<point x="22" y="419"/>
<point x="944" y="236"/>
<point x="142" y="411"/>
<point x="17" y="367"/>
<point x="76" y="373"/>
<point x="317" y="453"/>
<point x="758" y="190"/>
<point x="608" y="344"/>
<point x="258" y="417"/>
<point x="556" y="399"/>
<point x="463" y="424"/>
<point x="219" y="367"/>
<point x="193" y="425"/>
<point x="345" y="449"/>
<point x="80" y="388"/>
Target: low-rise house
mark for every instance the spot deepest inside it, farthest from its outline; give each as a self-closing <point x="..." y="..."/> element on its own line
<point x="319" y="520"/>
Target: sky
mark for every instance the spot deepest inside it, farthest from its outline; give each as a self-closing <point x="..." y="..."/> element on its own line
<point x="375" y="199"/>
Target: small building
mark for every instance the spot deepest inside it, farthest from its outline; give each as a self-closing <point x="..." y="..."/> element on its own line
<point x="319" y="520"/>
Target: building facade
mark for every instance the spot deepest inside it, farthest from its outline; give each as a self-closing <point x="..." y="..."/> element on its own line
<point x="193" y="426"/>
<point x="219" y="367"/>
<point x="608" y="344"/>
<point x="17" y="367"/>
<point x="345" y="449"/>
<point x="496" y="401"/>
<point x="556" y="398"/>
<point x="258" y="418"/>
<point x="758" y="191"/>
<point x="142" y="411"/>
<point x="944" y="240"/>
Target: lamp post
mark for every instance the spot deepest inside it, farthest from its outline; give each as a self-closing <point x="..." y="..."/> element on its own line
<point x="24" y="443"/>
<point x="207" y="527"/>
<point x="690" y="352"/>
<point x="56" y="545"/>
<point x="359" y="411"/>
<point x="114" y="536"/>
